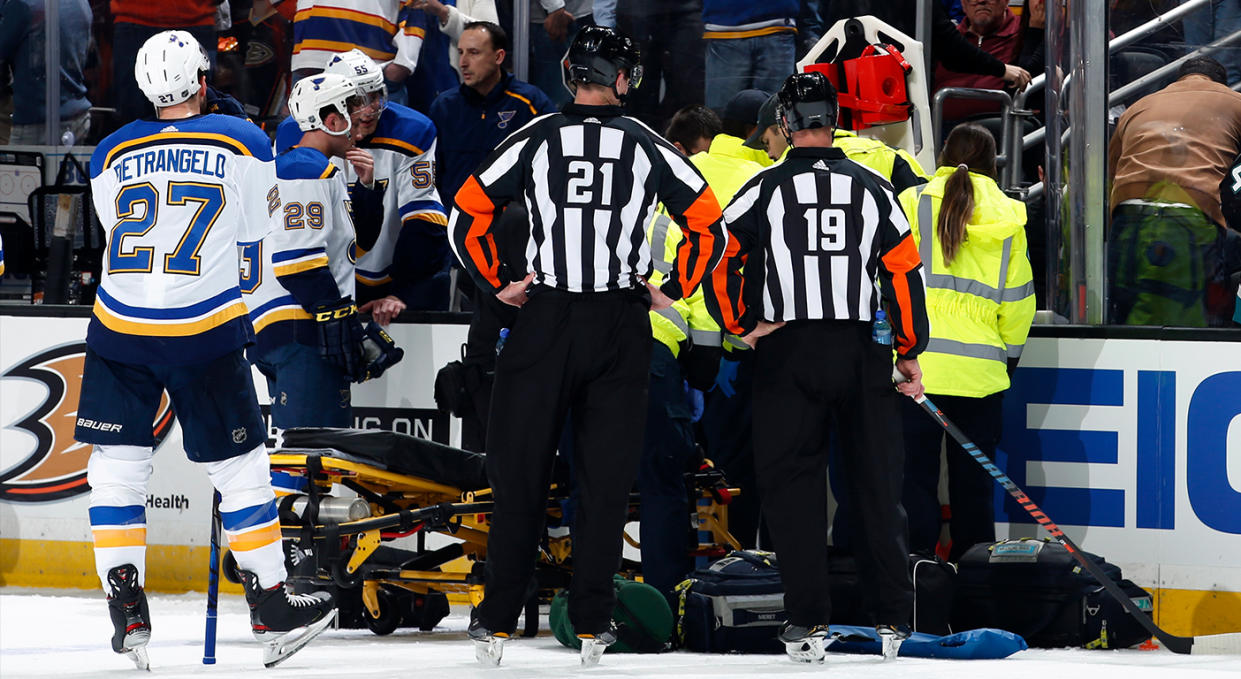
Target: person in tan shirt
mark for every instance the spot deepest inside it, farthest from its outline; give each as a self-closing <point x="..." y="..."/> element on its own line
<point x="1168" y="236"/>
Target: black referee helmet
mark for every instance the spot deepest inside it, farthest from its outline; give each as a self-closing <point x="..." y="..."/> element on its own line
<point x="598" y="54"/>
<point x="806" y="101"/>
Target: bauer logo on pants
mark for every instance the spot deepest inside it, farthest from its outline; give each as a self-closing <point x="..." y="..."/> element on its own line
<point x="53" y="466"/>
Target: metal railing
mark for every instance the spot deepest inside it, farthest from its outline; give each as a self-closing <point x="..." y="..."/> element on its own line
<point x="976" y="94"/>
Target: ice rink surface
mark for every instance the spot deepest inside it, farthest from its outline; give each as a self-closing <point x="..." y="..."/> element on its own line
<point x="66" y="634"/>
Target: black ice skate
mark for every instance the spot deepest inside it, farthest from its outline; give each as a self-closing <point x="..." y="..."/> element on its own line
<point x="488" y="645"/>
<point x="806" y="644"/>
<point x="593" y="645"/>
<point x="131" y="622"/>
<point x="892" y="637"/>
<point x="285" y="622"/>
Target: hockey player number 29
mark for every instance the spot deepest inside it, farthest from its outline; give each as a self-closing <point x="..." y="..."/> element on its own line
<point x="184" y="259"/>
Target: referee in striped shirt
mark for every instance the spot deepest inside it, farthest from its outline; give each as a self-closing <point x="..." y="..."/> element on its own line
<point x="812" y="233"/>
<point x="591" y="179"/>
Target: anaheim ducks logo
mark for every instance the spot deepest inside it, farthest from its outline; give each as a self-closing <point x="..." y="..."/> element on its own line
<point x="54" y="468"/>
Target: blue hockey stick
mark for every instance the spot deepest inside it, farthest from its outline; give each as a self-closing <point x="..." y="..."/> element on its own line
<point x="213" y="582"/>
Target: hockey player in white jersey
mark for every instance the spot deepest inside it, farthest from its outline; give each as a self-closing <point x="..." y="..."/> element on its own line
<point x="176" y="193"/>
<point x="299" y="280"/>
<point x="407" y="266"/>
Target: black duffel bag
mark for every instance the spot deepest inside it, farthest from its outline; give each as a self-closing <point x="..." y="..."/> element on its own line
<point x="734" y="605"/>
<point x="1037" y="589"/>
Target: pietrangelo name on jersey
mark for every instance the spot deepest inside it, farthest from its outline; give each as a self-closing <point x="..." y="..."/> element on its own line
<point x="192" y="161"/>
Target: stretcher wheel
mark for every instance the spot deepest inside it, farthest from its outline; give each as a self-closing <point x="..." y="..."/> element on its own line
<point x="389" y="615"/>
<point x="229" y="569"/>
<point x="343" y="579"/>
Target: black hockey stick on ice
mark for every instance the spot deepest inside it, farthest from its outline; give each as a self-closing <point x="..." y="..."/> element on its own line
<point x="1171" y="642"/>
<point x="213" y="582"/>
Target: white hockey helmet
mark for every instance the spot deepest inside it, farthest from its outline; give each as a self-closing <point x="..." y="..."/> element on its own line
<point x="362" y="70"/>
<point x="326" y="90"/>
<point x="168" y="67"/>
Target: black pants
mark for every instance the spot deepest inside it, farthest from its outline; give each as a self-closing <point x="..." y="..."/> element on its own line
<point x="803" y="373"/>
<point x="590" y="352"/>
<point x="970" y="488"/>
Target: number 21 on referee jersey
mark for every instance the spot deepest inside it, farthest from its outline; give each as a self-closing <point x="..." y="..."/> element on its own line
<point x="825" y="229"/>
<point x="582" y="182"/>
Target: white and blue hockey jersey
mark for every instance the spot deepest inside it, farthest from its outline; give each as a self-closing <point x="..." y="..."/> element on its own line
<point x="386" y="30"/>
<point x="412" y="244"/>
<point x="175" y="197"/>
<point x="307" y="259"/>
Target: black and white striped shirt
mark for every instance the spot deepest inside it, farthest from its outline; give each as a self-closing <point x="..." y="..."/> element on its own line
<point x="812" y="233"/>
<point x="590" y="179"/>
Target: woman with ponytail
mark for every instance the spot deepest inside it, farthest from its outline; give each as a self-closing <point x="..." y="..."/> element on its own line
<point x="980" y="301"/>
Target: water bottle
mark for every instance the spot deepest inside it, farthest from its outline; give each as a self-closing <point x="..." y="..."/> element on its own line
<point x="500" y="342"/>
<point x="881" y="331"/>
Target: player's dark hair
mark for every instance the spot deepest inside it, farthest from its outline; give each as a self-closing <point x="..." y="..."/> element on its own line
<point x="692" y="123"/>
<point x="1203" y="66"/>
<point x="971" y="148"/>
<point x="499" y="39"/>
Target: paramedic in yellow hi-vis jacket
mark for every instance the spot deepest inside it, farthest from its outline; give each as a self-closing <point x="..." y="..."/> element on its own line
<point x="980" y="301"/>
<point x="686" y="353"/>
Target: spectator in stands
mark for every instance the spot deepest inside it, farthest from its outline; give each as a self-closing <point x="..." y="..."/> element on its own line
<point x="387" y="31"/>
<point x="992" y="26"/>
<point x="948" y="46"/>
<point x="454" y="18"/>
<point x="970" y="237"/>
<point x="553" y="25"/>
<point x="749" y="45"/>
<point x="810" y="26"/>
<point x="22" y="44"/>
<point x="739" y="121"/>
<point x="1168" y="248"/>
<point x="1219" y="19"/>
<point x="133" y="22"/>
<point x="669" y="34"/>
<point x="489" y="105"/>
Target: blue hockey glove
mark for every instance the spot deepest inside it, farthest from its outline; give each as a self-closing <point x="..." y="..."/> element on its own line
<point x="379" y="352"/>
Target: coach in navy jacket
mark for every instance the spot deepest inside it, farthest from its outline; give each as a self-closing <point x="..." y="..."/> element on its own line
<point x="489" y="105"/>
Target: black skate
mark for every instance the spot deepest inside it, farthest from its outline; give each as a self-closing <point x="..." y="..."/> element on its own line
<point x="131" y="622"/>
<point x="593" y="645"/>
<point x="488" y="645"/>
<point x="285" y="622"/>
<point x="806" y="644"/>
<point x="892" y="636"/>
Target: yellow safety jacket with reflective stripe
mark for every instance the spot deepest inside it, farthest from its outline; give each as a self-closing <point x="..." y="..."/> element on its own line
<point x="875" y="154"/>
<point x="688" y="317"/>
<point x="981" y="305"/>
